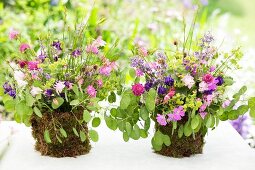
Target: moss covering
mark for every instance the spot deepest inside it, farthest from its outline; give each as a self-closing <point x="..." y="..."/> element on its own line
<point x="71" y="146"/>
<point x="181" y="147"/>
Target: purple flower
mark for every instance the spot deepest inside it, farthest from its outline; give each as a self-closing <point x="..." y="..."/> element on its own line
<point x="7" y="87"/>
<point x="169" y="81"/>
<point x="47" y="76"/>
<point x="57" y="45"/>
<point x="42" y="57"/>
<point x="48" y="92"/>
<point x="148" y="86"/>
<point x="76" y="53"/>
<point x="55" y="58"/>
<point x="12" y="93"/>
<point x="208" y="92"/>
<point x="177" y="114"/>
<point x="220" y="81"/>
<point x="162" y="90"/>
<point x="241" y="125"/>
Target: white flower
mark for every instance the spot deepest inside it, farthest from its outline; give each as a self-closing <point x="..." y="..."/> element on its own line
<point x="19" y="77"/>
<point x="35" y="91"/>
<point x="59" y="86"/>
<point x="203" y="86"/>
<point x="188" y="81"/>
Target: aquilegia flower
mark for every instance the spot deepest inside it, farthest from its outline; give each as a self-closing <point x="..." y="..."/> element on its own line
<point x="76" y="53"/>
<point x="138" y="89"/>
<point x="23" y="47"/>
<point x="57" y="45"/>
<point x="148" y="86"/>
<point x="91" y="91"/>
<point x="220" y="81"/>
<point x="169" y="81"/>
<point x="161" y="120"/>
<point x="188" y="81"/>
<point x="162" y="90"/>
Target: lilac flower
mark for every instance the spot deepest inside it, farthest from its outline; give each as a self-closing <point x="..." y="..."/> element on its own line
<point x="161" y="120"/>
<point x="207" y="39"/>
<point x="137" y="62"/>
<point x="139" y="73"/>
<point x="57" y="45"/>
<point x="241" y="125"/>
<point x="7" y="87"/>
<point x="220" y="81"/>
<point x="169" y="81"/>
<point x="162" y="90"/>
<point x="41" y="57"/>
<point x="76" y="53"/>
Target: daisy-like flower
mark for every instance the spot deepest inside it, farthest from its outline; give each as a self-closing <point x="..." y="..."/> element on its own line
<point x="35" y="91"/>
<point x="188" y="81"/>
<point x="59" y="86"/>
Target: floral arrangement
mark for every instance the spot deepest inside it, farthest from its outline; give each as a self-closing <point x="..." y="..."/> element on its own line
<point x="183" y="91"/>
<point x="56" y="87"/>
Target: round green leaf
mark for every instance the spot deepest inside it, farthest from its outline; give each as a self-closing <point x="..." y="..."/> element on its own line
<point x="86" y="116"/>
<point x="37" y="112"/>
<point x="195" y="122"/>
<point x="96" y="122"/>
<point x="93" y="135"/>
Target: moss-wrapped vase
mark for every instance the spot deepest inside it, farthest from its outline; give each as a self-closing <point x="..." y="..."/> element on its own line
<point x="71" y="145"/>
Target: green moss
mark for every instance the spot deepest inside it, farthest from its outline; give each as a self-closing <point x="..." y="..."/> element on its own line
<point x="71" y="146"/>
<point x="181" y="147"/>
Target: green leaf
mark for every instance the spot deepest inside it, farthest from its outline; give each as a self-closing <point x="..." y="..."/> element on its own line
<point x="143" y="133"/>
<point x="93" y="135"/>
<point x="75" y="132"/>
<point x="251" y="102"/>
<point x="166" y="140"/>
<point x="233" y="115"/>
<point x="125" y="136"/>
<point x="111" y="123"/>
<point x="114" y="112"/>
<point x="195" y="122"/>
<point x="82" y="136"/>
<point x="180" y="131"/>
<point x="96" y="122"/>
<point x="86" y="116"/>
<point x="125" y="101"/>
<point x="150" y="100"/>
<point x="154" y="145"/>
<point x="252" y="112"/>
<point x="132" y="73"/>
<point x="47" y="136"/>
<point x="187" y="129"/>
<point x="112" y="97"/>
<point x="128" y="128"/>
<point x="59" y="140"/>
<point x="137" y="130"/>
<point x="158" y="138"/>
<point x="242" y="90"/>
<point x="242" y="109"/>
<point x="228" y="81"/>
<point x="37" y="112"/>
<point x="74" y="102"/>
<point x="57" y="102"/>
<point x="10" y="106"/>
<point x="63" y="132"/>
<point x="144" y="113"/>
<point x="29" y="99"/>
<point x="76" y="90"/>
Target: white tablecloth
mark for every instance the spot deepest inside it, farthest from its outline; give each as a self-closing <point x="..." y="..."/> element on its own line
<point x="224" y="149"/>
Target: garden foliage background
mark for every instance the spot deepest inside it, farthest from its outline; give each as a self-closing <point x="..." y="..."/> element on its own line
<point x="155" y="23"/>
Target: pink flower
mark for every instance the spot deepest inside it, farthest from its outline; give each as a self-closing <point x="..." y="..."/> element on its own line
<point x="212" y="69"/>
<point x="161" y="119"/>
<point x="188" y="81"/>
<point x="226" y="104"/>
<point x="202" y="108"/>
<point x="177" y="114"/>
<point x="208" y="78"/>
<point x="92" y="49"/>
<point x="23" y="47"/>
<point x="139" y="73"/>
<point x="91" y="91"/>
<point x="179" y="110"/>
<point x="138" y="89"/>
<point x="13" y="34"/>
<point x="105" y="70"/>
<point x="208" y="99"/>
<point x="99" y="42"/>
<point x="143" y="51"/>
<point x="100" y="83"/>
<point x="32" y="65"/>
<point x="170" y="94"/>
<point x="203" y="114"/>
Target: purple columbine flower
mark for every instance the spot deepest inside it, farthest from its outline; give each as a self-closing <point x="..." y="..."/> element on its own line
<point x="57" y="45"/>
<point x="162" y="90"/>
<point x="7" y="87"/>
<point x="76" y="53"/>
<point x="208" y="92"/>
<point x="220" y="81"/>
<point x="148" y="86"/>
<point x="68" y="84"/>
<point x="48" y="92"/>
<point x="55" y="58"/>
<point x="41" y="57"/>
<point x="169" y="81"/>
<point x="12" y="93"/>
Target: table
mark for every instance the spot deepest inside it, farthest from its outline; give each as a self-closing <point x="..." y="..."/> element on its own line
<point x="224" y="149"/>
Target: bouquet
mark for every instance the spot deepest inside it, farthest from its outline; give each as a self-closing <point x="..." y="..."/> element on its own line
<point x="55" y="87"/>
<point x="183" y="90"/>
